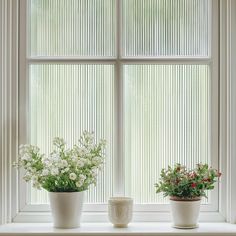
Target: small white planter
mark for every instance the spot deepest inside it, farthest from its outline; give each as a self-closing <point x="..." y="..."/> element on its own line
<point x="185" y="213"/>
<point x="120" y="211"/>
<point x="66" y="208"/>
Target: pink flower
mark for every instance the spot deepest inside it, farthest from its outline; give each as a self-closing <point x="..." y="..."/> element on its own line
<point x="192" y="175"/>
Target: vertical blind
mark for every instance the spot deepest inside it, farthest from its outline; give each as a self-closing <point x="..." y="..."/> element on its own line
<point x="166" y="110"/>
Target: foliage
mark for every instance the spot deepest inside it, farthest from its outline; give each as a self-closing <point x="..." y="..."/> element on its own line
<point x="65" y="170"/>
<point x="179" y="182"/>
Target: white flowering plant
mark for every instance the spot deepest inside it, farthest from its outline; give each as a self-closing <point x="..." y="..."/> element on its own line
<point x="64" y="170"/>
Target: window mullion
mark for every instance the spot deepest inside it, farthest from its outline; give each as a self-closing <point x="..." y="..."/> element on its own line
<point x="168" y="61"/>
<point x="118" y="168"/>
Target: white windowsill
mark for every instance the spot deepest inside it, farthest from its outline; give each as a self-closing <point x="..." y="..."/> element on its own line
<point x="107" y="229"/>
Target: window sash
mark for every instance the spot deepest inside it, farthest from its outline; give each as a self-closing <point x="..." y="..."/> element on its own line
<point x="119" y="61"/>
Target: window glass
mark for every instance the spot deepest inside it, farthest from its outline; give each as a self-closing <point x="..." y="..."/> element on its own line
<point x="72" y="27"/>
<point x="165" y="28"/>
<point x="166" y="121"/>
<point x="64" y="101"/>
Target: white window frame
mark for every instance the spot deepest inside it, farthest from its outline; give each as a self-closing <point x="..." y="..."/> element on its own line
<point x="21" y="211"/>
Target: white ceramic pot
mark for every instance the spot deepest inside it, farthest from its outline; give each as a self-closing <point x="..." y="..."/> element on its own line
<point x="66" y="208"/>
<point x="120" y="211"/>
<point x="185" y="213"/>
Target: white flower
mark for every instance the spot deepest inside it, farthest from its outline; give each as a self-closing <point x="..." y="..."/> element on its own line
<point x="26" y="157"/>
<point x="80" y="163"/>
<point x="89" y="155"/>
<point x="33" y="170"/>
<point x="81" y="181"/>
<point x="96" y="160"/>
<point x="82" y="177"/>
<point x="45" y="172"/>
<point x="81" y="152"/>
<point x="67" y="152"/>
<point x="63" y="164"/>
<point x="34" y="178"/>
<point x="88" y="162"/>
<point x="79" y="184"/>
<point x="65" y="170"/>
<point x="27" y="177"/>
<point x="94" y="172"/>
<point x="54" y="171"/>
<point x="74" y="158"/>
<point x="55" y="156"/>
<point x="72" y="176"/>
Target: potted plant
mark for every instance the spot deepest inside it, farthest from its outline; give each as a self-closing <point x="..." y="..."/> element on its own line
<point x="185" y="189"/>
<point x="65" y="174"/>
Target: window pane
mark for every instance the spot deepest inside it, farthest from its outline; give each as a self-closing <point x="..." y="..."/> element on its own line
<point x="72" y="27"/>
<point x="165" y="27"/>
<point x="166" y="121"/>
<point x="67" y="99"/>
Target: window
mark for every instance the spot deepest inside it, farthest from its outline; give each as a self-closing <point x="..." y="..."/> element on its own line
<point x="140" y="73"/>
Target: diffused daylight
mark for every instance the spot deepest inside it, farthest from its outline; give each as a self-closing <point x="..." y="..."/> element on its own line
<point x="117" y="117"/>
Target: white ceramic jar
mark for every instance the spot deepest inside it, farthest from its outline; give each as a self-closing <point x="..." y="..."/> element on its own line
<point x="185" y="213"/>
<point x="120" y="211"/>
<point x="66" y="208"/>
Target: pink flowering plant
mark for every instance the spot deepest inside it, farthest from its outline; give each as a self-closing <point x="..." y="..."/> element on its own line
<point x="65" y="169"/>
<point x="180" y="183"/>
